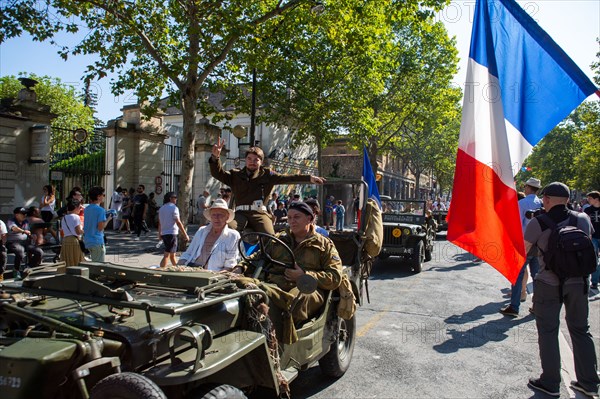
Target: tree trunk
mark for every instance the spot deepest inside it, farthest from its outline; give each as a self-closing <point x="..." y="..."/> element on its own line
<point x="188" y="146"/>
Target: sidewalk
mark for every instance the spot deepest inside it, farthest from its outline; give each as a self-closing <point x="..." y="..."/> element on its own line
<point x="122" y="249"/>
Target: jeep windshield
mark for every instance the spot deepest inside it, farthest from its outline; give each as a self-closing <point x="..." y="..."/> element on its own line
<point x="403" y="211"/>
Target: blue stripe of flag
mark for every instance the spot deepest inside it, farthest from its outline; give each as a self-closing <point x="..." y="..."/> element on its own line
<point x="539" y="84"/>
<point x="369" y="178"/>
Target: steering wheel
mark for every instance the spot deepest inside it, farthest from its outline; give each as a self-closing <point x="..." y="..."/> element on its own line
<point x="263" y="260"/>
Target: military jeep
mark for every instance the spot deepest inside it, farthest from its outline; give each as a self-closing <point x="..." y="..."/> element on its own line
<point x="102" y="330"/>
<point x="407" y="231"/>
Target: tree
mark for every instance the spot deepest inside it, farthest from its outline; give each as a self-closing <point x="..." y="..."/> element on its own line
<point x="62" y="99"/>
<point x="184" y="47"/>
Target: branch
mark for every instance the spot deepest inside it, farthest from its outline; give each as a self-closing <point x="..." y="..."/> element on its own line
<point x="129" y="22"/>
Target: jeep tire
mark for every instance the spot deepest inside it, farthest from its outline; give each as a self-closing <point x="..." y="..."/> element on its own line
<point x="336" y="362"/>
<point x="223" y="391"/>
<point x="418" y="256"/>
<point x="126" y="386"/>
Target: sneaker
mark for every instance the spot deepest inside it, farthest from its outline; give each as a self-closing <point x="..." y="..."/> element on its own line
<point x="577" y="386"/>
<point x="508" y="310"/>
<point x="594" y="287"/>
<point x="534" y="383"/>
<point x="136" y="238"/>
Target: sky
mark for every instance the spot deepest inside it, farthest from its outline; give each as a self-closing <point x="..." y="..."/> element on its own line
<point x="573" y="24"/>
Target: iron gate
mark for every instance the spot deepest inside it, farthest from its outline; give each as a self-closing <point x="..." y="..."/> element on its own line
<point x="77" y="159"/>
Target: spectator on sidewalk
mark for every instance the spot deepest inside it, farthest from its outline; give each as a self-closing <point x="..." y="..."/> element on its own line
<point x="116" y="202"/>
<point x="95" y="223"/>
<point x="18" y="240"/>
<point x="531" y="202"/>
<point x="125" y="214"/>
<point x="340" y="212"/>
<point x="202" y="204"/>
<point x="169" y="225"/>
<point x="549" y="298"/>
<point x="140" y="209"/>
<point x="152" y="214"/>
<point x="70" y="251"/>
<point x="215" y="246"/>
<point x="593" y="211"/>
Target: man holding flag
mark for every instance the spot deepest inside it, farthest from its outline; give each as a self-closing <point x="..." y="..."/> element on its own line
<point x="369" y="177"/>
<point x="520" y="85"/>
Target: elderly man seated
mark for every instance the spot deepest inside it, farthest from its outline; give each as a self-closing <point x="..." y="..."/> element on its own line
<point x="214" y="246"/>
<point x="315" y="255"/>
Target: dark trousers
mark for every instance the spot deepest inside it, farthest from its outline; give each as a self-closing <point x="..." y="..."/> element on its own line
<point x="254" y="220"/>
<point x="22" y="248"/>
<point x="547" y="307"/>
<point x="3" y="258"/>
<point x="140" y="224"/>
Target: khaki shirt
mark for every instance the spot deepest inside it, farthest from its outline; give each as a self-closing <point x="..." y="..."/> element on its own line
<point x="316" y="255"/>
<point x="258" y="186"/>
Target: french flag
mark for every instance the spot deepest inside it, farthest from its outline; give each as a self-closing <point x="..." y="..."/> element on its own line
<point x="520" y="85"/>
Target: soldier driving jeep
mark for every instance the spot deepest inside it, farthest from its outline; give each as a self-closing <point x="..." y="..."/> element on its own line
<point x="314" y="254"/>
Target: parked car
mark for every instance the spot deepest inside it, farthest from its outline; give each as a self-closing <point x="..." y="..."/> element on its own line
<point x="408" y="233"/>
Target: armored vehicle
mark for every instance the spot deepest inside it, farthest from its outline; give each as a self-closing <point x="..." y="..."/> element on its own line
<point x="102" y="330"/>
<point x="407" y="231"/>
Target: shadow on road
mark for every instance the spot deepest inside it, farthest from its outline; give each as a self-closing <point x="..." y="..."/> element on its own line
<point x="467" y="332"/>
<point x="391" y="268"/>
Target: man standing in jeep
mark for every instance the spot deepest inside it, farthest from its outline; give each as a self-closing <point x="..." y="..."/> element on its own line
<point x="251" y="187"/>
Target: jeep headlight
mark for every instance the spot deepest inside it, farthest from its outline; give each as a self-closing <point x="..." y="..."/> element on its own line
<point x="396" y="232"/>
<point x="406" y="231"/>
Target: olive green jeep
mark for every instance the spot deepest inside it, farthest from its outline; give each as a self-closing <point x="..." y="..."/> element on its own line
<point x="102" y="330"/>
<point x="407" y="231"/>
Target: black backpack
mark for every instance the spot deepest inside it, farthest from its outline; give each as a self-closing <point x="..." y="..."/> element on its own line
<point x="570" y="251"/>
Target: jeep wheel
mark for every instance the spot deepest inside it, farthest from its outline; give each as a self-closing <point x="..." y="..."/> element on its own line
<point x="418" y="256"/>
<point x="217" y="392"/>
<point x="337" y="360"/>
<point x="126" y="386"/>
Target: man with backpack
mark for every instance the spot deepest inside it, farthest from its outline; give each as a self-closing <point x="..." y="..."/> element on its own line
<point x="566" y="259"/>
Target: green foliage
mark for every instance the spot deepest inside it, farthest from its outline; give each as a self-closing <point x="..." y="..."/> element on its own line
<point x="569" y="153"/>
<point x="63" y="100"/>
<point x="80" y="163"/>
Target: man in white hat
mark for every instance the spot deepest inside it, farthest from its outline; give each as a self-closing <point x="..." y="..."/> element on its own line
<point x="214" y="246"/>
<point x="531" y="202"/>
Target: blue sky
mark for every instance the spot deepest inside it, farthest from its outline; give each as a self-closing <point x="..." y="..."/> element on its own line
<point x="573" y="24"/>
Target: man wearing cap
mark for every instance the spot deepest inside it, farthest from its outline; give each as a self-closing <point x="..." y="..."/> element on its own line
<point x="315" y="255"/>
<point x="18" y="240"/>
<point x="547" y="304"/>
<point x="214" y="246"/>
<point x="531" y="202"/>
<point x="169" y="225"/>
<point x="251" y="187"/>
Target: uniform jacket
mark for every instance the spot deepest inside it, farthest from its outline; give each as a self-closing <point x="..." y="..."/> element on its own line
<point x="316" y="255"/>
<point x="247" y="189"/>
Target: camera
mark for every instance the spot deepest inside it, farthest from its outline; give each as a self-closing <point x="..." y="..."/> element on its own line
<point x="534" y="212"/>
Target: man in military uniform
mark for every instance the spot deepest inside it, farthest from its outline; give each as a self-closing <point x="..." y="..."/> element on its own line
<point x="251" y="187"/>
<point x="315" y="255"/>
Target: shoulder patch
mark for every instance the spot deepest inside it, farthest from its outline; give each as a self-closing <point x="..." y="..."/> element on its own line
<point x="335" y="257"/>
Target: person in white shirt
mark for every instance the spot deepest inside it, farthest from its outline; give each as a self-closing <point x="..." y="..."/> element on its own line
<point x="214" y="246"/>
<point x="169" y="225"/>
<point x="202" y="204"/>
<point x="116" y="202"/>
<point x="71" y="226"/>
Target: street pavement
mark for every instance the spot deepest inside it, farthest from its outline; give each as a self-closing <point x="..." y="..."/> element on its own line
<point x="436" y="334"/>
